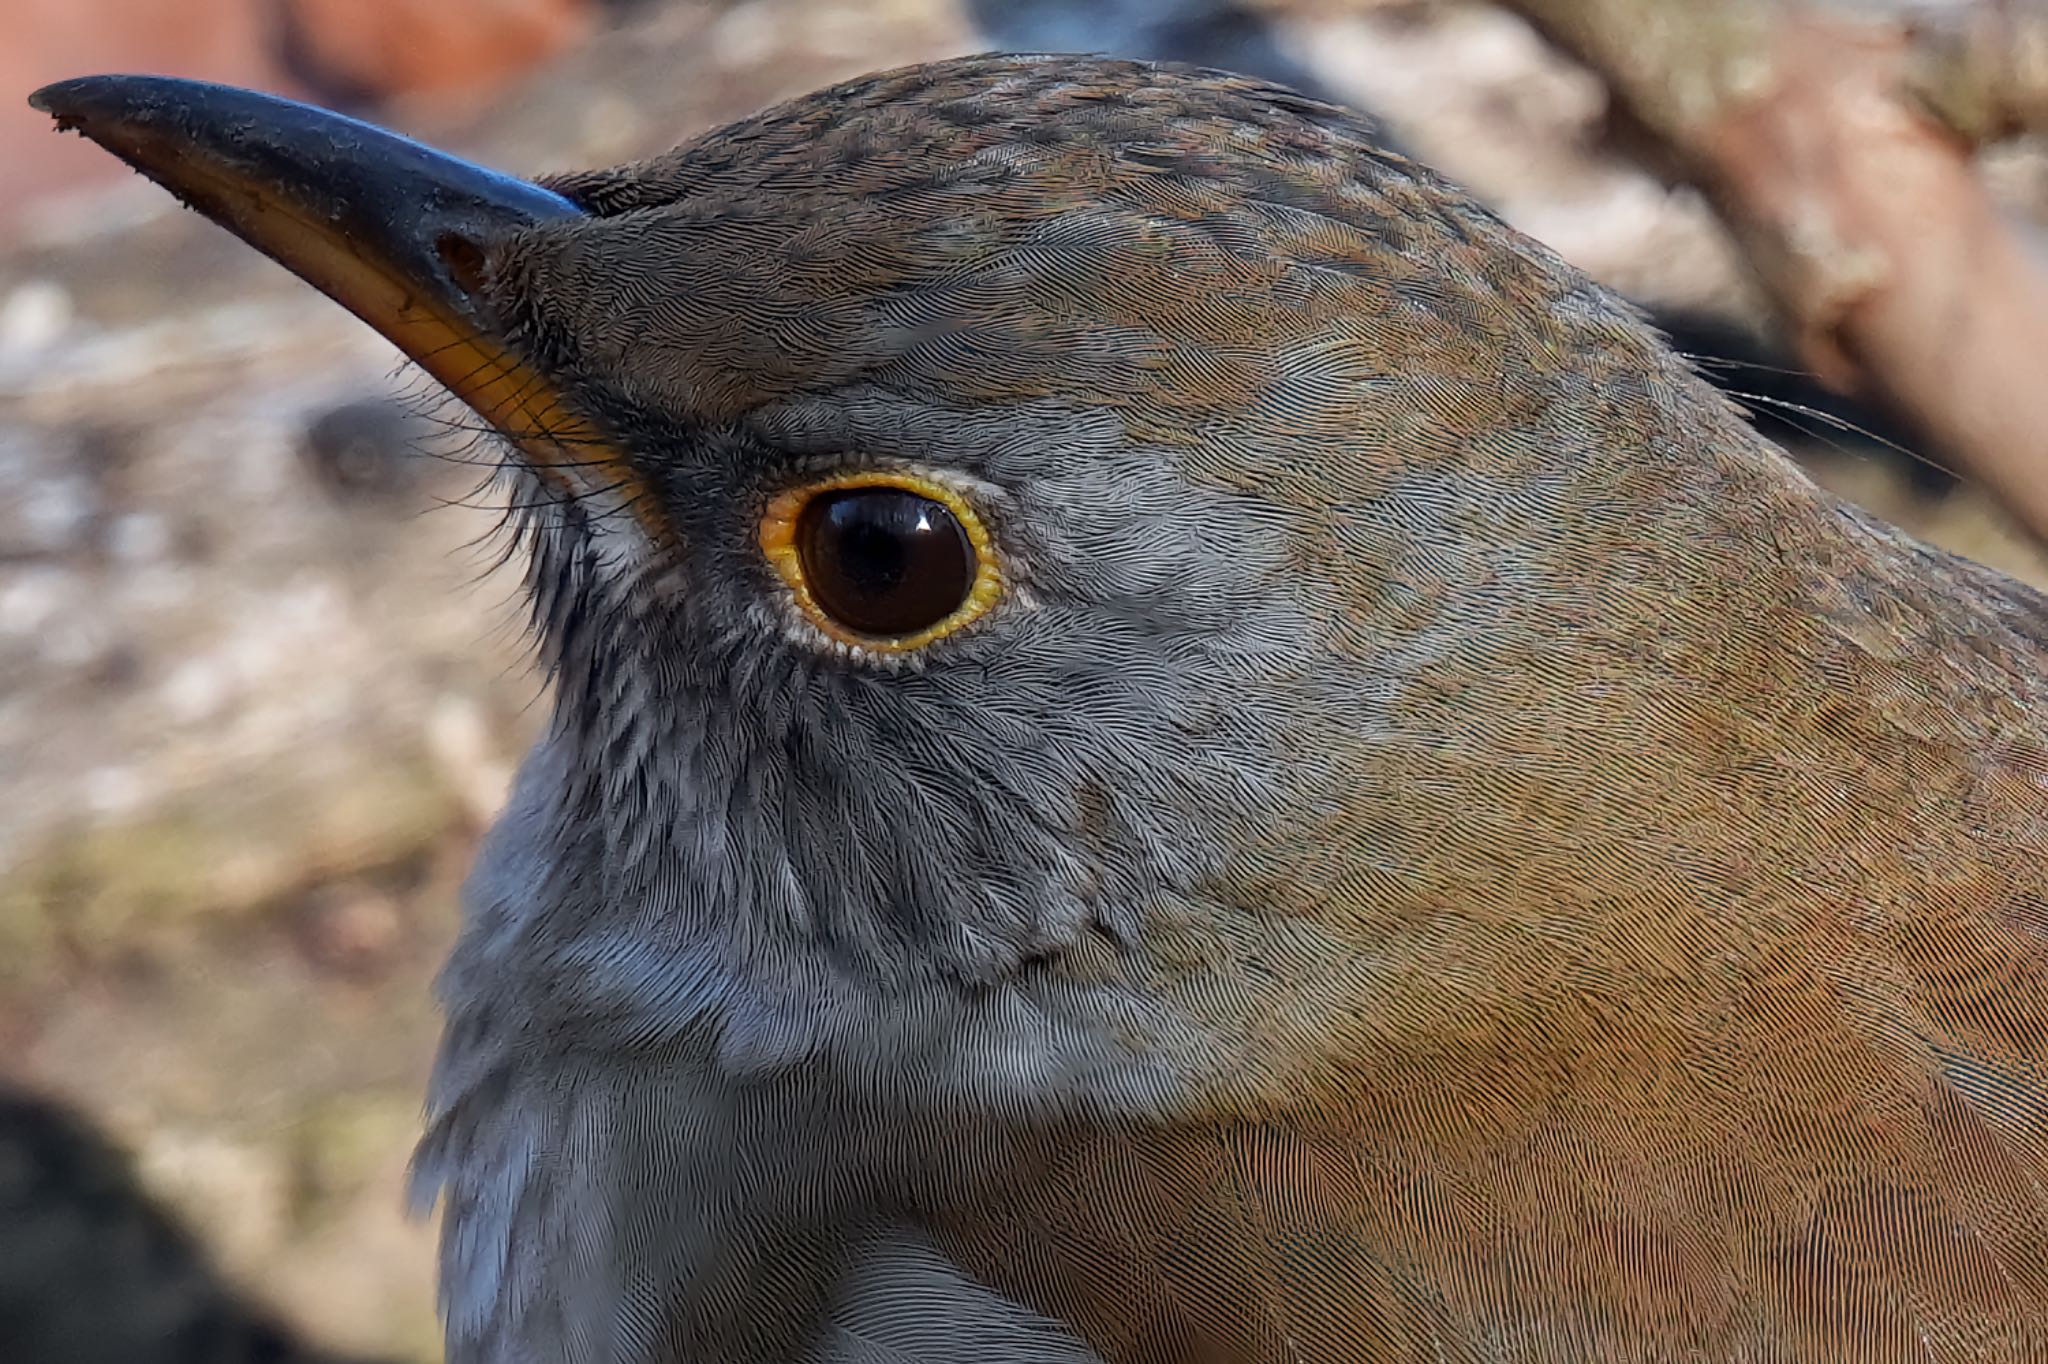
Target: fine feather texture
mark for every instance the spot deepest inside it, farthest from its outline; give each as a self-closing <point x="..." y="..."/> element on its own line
<point x="1450" y="849"/>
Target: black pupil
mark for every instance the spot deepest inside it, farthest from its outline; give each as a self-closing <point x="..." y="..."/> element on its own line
<point x="884" y="561"/>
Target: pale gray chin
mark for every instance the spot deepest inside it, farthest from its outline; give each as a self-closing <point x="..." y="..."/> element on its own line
<point x="901" y="1301"/>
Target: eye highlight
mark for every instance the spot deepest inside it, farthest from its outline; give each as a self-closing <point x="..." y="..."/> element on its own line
<point x="882" y="559"/>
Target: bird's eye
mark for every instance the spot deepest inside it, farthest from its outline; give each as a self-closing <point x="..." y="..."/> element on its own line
<point x="884" y="560"/>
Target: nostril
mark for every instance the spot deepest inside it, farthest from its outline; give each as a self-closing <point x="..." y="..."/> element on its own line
<point x="464" y="259"/>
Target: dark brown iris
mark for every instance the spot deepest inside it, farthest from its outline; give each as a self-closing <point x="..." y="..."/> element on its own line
<point x="884" y="561"/>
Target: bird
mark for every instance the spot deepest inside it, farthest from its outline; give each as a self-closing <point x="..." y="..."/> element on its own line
<point x="1171" y="745"/>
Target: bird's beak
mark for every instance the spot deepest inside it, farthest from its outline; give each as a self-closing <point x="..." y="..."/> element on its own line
<point x="394" y="231"/>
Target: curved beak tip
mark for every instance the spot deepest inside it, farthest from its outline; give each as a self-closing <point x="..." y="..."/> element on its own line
<point x="60" y="98"/>
<point x="77" y="103"/>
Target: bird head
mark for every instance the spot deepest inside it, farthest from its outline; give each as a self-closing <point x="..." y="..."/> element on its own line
<point x="1029" y="529"/>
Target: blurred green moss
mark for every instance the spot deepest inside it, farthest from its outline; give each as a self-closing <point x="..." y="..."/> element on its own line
<point x="210" y="860"/>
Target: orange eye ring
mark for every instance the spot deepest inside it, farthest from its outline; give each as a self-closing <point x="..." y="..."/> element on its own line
<point x="791" y="538"/>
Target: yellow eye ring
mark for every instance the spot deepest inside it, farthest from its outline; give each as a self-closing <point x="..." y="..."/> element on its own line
<point x="882" y="560"/>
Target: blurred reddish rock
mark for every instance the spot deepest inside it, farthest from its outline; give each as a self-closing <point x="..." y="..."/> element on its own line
<point x="437" y="49"/>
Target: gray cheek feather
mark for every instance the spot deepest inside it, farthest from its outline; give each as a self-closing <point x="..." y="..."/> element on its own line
<point x="758" y="919"/>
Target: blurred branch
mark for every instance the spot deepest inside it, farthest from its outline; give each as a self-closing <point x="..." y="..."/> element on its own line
<point x="1837" y="149"/>
<point x="1983" y="71"/>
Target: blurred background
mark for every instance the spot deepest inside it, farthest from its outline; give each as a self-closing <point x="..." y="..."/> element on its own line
<point x="261" y="682"/>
